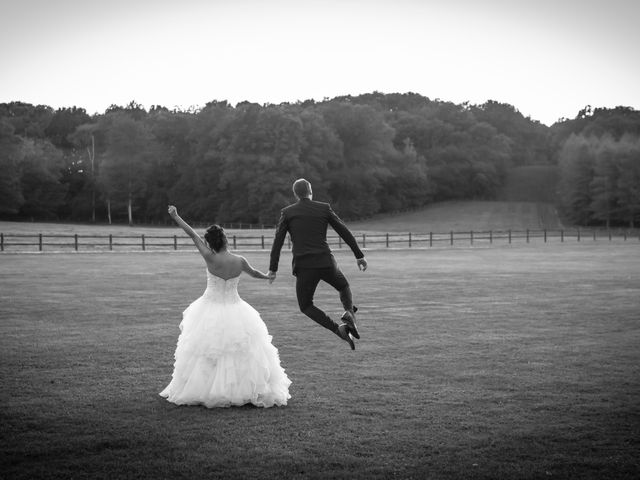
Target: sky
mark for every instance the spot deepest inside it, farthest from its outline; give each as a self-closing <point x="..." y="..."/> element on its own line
<point x="547" y="58"/>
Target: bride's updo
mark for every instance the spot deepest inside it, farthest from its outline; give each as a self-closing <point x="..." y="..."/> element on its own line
<point x="216" y="238"/>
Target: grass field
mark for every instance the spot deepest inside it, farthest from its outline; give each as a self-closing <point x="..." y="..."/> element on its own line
<point x="49" y="228"/>
<point x="505" y="362"/>
<point x="438" y="218"/>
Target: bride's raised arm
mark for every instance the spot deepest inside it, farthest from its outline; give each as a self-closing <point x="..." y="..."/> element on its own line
<point x="197" y="240"/>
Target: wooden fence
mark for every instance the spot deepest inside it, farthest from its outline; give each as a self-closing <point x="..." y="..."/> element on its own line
<point x="10" y="242"/>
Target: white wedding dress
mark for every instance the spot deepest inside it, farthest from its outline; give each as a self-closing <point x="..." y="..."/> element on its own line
<point x="224" y="355"/>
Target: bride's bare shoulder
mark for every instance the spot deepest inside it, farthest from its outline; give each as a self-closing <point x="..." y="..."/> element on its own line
<point x="237" y="258"/>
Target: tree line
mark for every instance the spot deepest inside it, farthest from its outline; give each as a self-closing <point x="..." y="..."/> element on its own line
<point x="366" y="154"/>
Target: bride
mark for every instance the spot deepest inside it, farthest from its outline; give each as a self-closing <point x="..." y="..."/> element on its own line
<point x="224" y="355"/>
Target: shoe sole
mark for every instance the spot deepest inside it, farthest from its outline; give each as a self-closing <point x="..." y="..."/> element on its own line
<point x="347" y="319"/>
<point x="349" y="339"/>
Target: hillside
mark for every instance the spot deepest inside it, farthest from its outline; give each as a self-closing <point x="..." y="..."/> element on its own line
<point x="526" y="202"/>
<point x="464" y="216"/>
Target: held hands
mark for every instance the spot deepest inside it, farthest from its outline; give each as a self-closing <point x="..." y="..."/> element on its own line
<point x="173" y="211"/>
<point x="362" y="263"/>
<point x="271" y="276"/>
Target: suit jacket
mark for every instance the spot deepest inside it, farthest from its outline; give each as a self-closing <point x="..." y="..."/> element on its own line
<point x="307" y="221"/>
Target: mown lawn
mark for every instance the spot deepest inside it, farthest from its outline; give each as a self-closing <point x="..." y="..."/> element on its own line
<point x="503" y="362"/>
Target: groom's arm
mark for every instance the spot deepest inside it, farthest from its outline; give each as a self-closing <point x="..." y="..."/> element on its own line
<point x="278" y="241"/>
<point x="342" y="230"/>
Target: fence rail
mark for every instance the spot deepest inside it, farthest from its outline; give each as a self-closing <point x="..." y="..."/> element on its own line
<point x="17" y="242"/>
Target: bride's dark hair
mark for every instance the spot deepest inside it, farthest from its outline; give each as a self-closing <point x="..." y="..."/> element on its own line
<point x="216" y="238"/>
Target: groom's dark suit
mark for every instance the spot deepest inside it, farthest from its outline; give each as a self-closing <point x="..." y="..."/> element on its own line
<point x="307" y="221"/>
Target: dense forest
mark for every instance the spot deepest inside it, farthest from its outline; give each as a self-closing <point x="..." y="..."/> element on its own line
<point x="367" y="154"/>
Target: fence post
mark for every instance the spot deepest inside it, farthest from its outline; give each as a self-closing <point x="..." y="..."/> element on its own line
<point x="527" y="235"/>
<point x="175" y="242"/>
<point x="509" y="236"/>
<point x="364" y="240"/>
<point x="578" y="238"/>
<point x="545" y="235"/>
<point x="75" y="241"/>
<point x="143" y="245"/>
<point x="490" y="236"/>
<point x="387" y="240"/>
<point x="409" y="239"/>
<point x="1" y="242"/>
<point x="451" y="234"/>
<point x="431" y="239"/>
<point x="263" y="242"/>
<point x="471" y="237"/>
<point x="110" y="242"/>
<point x="562" y="235"/>
<point x="234" y="242"/>
<point x="40" y="242"/>
<point x="609" y="230"/>
<point x="339" y="242"/>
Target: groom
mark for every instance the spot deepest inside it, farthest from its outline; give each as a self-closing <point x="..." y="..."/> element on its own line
<point x="307" y="221"/>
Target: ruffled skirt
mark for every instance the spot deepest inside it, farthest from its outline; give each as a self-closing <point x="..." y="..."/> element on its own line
<point x="225" y="357"/>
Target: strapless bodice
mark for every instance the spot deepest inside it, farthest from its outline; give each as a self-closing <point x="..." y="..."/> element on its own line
<point x="221" y="290"/>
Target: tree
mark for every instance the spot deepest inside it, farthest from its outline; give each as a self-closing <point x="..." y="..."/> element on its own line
<point x="320" y="148"/>
<point x="84" y="139"/>
<point x="614" y="122"/>
<point x="603" y="186"/>
<point x="130" y="146"/>
<point x="600" y="179"/>
<point x="63" y="124"/>
<point x="28" y="121"/>
<point x="366" y="154"/>
<point x="529" y="139"/>
<point x="172" y="135"/>
<point x="628" y="186"/>
<point x="40" y="172"/>
<point x="408" y="185"/>
<point x="577" y="159"/>
<point x="261" y="159"/>
<point x="367" y="145"/>
<point x="196" y="185"/>
<point x="11" y="155"/>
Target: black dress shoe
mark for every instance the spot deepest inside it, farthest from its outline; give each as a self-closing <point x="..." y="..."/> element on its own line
<point x="343" y="333"/>
<point x="350" y="319"/>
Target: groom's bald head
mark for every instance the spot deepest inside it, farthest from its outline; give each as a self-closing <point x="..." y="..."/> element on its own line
<point x="302" y="188"/>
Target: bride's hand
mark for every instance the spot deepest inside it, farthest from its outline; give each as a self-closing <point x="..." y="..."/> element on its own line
<point x="173" y="211"/>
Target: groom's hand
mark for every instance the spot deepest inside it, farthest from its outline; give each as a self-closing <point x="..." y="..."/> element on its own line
<point x="362" y="264"/>
<point x="272" y="276"/>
